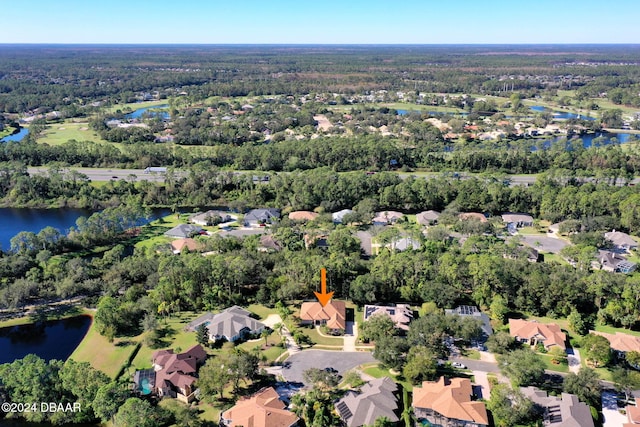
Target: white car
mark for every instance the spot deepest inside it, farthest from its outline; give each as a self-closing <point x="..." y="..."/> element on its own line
<point x="458" y="365"/>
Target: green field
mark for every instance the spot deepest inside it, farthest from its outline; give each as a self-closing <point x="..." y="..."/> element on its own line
<point x="101" y="354"/>
<point x="8" y="130"/>
<point x="59" y="133"/>
<point x="126" y="108"/>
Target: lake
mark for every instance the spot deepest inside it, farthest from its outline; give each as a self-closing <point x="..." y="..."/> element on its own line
<point x="164" y="115"/>
<point x="16" y="136"/>
<point x="561" y="114"/>
<point x="53" y="339"/>
<point x="15" y="220"/>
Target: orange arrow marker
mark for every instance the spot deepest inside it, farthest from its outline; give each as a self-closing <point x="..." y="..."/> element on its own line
<point x="323" y="296"/>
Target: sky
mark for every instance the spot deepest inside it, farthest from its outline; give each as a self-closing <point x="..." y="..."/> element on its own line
<point x="320" y="22"/>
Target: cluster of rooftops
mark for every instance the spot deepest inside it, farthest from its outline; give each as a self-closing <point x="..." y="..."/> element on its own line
<point x="447" y="399"/>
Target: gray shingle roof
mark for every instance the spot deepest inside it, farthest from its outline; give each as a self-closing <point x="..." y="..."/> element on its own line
<point x="183" y="230"/>
<point x="228" y="323"/>
<point x="375" y="400"/>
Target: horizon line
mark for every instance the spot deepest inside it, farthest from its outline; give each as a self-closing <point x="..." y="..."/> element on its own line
<point x="315" y="44"/>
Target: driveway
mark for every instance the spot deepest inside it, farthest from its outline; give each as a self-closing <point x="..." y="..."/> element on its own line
<point x="341" y="361"/>
<point x="543" y="243"/>
<point x="612" y="417"/>
<point x="365" y="241"/>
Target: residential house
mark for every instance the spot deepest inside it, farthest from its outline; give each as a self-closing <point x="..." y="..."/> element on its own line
<point x="179" y="245"/>
<point x="176" y="373"/>
<point x="303" y="216"/>
<point x="387" y="217"/>
<point x="183" y="231"/>
<point x="447" y="403"/>
<point x="268" y="243"/>
<point x="428" y="217"/>
<point x="231" y="324"/>
<point x="518" y="220"/>
<point x="522" y="252"/>
<point x="263" y="409"/>
<point x="401" y="314"/>
<point x="333" y="314"/>
<point x="339" y="216"/>
<point x="633" y="414"/>
<point x="474" y="313"/>
<point x="620" y="342"/>
<point x="375" y="400"/>
<point x="532" y="332"/>
<point x="316" y="239"/>
<point x="212" y="217"/>
<point x="400" y="245"/>
<point x="261" y="217"/>
<point x="622" y="242"/>
<point x="613" y="262"/>
<point x="565" y="411"/>
<point x="472" y="215"/>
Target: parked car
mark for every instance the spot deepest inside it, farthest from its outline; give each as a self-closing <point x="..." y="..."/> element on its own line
<point x="458" y="365"/>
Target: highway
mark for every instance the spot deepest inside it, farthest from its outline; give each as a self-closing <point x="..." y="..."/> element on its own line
<point x="98" y="174"/>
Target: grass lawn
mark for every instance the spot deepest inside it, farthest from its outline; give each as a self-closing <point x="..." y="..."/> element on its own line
<point x="562" y="367"/>
<point x="612" y="330"/>
<point x="532" y="231"/>
<point x="8" y="130"/>
<point x="101" y="354"/>
<point x="271" y="352"/>
<point x="471" y="354"/>
<point x="261" y="311"/>
<point x="126" y="108"/>
<point x="376" y="371"/>
<point x="59" y="133"/>
<point x="322" y="340"/>
<point x="173" y="336"/>
<point x="61" y="311"/>
<point x="548" y="257"/>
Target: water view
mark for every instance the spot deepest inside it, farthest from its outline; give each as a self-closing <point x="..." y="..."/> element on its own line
<point x="15" y="220"/>
<point x="55" y="339"/>
<point x="16" y="136"/>
<point x="164" y="115"/>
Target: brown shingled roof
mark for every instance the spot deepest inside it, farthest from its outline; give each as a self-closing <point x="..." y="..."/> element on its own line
<point x="303" y="216"/>
<point x="263" y="409"/>
<point x="450" y="398"/>
<point x="334" y="313"/>
<point x="548" y="333"/>
<point x="621" y="341"/>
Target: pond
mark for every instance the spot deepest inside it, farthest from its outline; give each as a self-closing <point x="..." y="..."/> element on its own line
<point x="136" y="114"/>
<point x="15" y="220"/>
<point x="561" y="114"/>
<point x="16" y="136"/>
<point x="54" y="339"/>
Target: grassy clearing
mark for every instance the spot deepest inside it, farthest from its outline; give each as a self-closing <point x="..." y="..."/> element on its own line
<point x="376" y="371"/>
<point x="554" y="258"/>
<point x="322" y="340"/>
<point x="61" y="311"/>
<point x="549" y="365"/>
<point x="59" y="133"/>
<point x="8" y="130"/>
<point x="126" y="108"/>
<point x="172" y="335"/>
<point x="101" y="354"/>
<point x="261" y="311"/>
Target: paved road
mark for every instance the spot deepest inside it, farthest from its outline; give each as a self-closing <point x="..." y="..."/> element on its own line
<point x="96" y="174"/>
<point x="543" y="243"/>
<point x="339" y="360"/>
